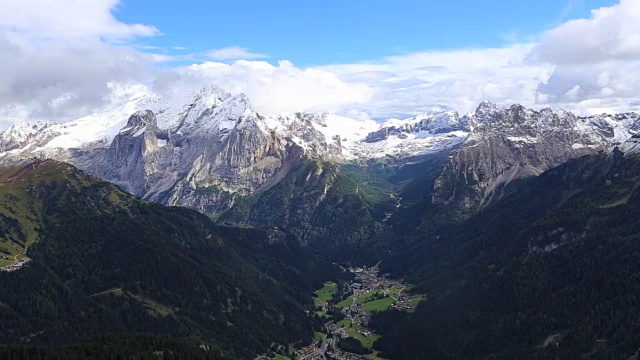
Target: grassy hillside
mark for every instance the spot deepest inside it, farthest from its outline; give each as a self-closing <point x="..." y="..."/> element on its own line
<point x="20" y="214"/>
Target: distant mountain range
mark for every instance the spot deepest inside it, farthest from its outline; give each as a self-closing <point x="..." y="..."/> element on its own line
<point x="166" y="150"/>
<point x="210" y="150"/>
<point x="519" y="226"/>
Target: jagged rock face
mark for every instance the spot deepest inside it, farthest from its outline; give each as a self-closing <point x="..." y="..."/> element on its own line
<point x="134" y="156"/>
<point x="516" y="143"/>
<point x="200" y="153"/>
<point x="215" y="151"/>
<point x="24" y="135"/>
<point x="432" y="124"/>
<point x="203" y="150"/>
<point x="301" y="128"/>
<point x="243" y="159"/>
<point x="631" y="147"/>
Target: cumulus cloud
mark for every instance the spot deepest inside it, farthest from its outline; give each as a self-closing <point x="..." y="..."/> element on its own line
<point x="68" y="19"/>
<point x="611" y="33"/>
<point x="445" y="80"/>
<point x="397" y="86"/>
<point x="66" y="58"/>
<point x="283" y="88"/>
<point x="60" y="80"/>
<point x="596" y="61"/>
<point x="233" y="53"/>
<point x="59" y="58"/>
<point x="593" y="88"/>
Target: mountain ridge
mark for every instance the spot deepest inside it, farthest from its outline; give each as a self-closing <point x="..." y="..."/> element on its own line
<point x="104" y="261"/>
<point x="549" y="264"/>
<point x="206" y="150"/>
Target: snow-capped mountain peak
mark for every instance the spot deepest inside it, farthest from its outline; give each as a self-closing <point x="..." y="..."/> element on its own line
<point x="486" y="112"/>
<point x="212" y="113"/>
<point x="212" y="110"/>
<point x="23" y="134"/>
<point x="163" y="147"/>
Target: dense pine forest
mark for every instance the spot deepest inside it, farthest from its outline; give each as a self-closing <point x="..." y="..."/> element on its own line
<point x="106" y="262"/>
<point x="138" y="347"/>
<point x="548" y="271"/>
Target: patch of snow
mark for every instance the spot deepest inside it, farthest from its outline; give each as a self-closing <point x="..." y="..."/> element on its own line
<point x="211" y="110"/>
<point x="412" y="145"/>
<point x="631" y="146"/>
<point x="140" y="132"/>
<point x="100" y="127"/>
<point x="523" y="139"/>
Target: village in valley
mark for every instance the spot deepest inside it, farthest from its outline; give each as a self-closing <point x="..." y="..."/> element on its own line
<point x="14" y="262"/>
<point x="16" y="265"/>
<point x="347" y="309"/>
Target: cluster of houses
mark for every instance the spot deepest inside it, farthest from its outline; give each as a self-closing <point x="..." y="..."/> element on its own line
<point x="357" y="314"/>
<point x="402" y="304"/>
<point x="334" y="329"/>
<point x="341" y="355"/>
<point x="366" y="281"/>
<point x="309" y="352"/>
<point x="16" y="265"/>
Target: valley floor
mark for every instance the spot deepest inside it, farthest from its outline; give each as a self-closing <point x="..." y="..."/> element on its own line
<point x="347" y="312"/>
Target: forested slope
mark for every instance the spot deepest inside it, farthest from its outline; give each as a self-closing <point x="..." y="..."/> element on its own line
<point x="548" y="272"/>
<point x="106" y="262"/>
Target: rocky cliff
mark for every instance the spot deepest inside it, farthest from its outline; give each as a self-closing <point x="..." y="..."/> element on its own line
<point x="516" y="142"/>
<point x="204" y="150"/>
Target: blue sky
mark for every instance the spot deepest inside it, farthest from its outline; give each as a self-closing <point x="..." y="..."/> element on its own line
<point x="338" y="31"/>
<point x="63" y="59"/>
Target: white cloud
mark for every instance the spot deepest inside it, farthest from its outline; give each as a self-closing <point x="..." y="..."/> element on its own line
<point x="35" y="78"/>
<point x="596" y="61"/>
<point x="283" y="88"/>
<point x="233" y="53"/>
<point x="59" y="59"/>
<point x="78" y="19"/>
<point x="611" y="33"/>
<point x="457" y="80"/>
<point x="392" y="87"/>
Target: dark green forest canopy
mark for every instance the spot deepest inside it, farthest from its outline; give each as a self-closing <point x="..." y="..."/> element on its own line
<point x="132" y="347"/>
<point x="107" y="262"/>
<point x="548" y="272"/>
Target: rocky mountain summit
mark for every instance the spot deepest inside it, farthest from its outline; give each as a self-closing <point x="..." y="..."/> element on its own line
<point x="514" y="143"/>
<point x="203" y="150"/>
